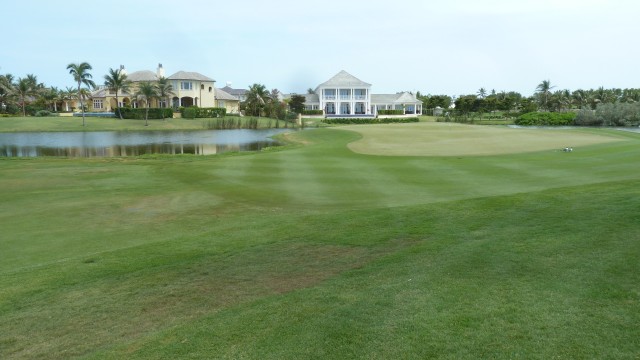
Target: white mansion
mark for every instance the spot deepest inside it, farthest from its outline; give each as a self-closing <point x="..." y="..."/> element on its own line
<point x="346" y="95"/>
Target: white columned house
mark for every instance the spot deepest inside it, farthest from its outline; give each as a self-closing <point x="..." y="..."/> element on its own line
<point x="345" y="95"/>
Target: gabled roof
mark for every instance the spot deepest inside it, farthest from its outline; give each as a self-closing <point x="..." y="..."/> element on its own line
<point x="144" y="75"/>
<point x="399" y="98"/>
<point x="223" y="95"/>
<point x="188" y="75"/>
<point x="344" y="79"/>
<point x="234" y="92"/>
<point x="311" y="99"/>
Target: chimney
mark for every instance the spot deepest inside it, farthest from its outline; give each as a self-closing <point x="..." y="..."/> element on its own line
<point x="160" y="71"/>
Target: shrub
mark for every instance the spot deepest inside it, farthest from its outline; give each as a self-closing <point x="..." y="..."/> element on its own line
<point x="369" y="120"/>
<point x="139" y="113"/>
<point x="619" y="114"/>
<point x="587" y="117"/>
<point x="546" y="119"/>
<point x="391" y="112"/>
<point x="312" y="112"/>
<point x="43" y="113"/>
<point x="193" y="112"/>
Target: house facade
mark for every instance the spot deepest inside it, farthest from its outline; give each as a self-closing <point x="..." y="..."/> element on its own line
<point x="227" y="101"/>
<point x="189" y="89"/>
<point x="345" y="95"/>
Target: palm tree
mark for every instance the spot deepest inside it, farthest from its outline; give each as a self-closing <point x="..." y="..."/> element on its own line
<point x="117" y="81"/>
<point x="51" y="96"/>
<point x="23" y="89"/>
<point x="67" y="94"/>
<point x="257" y="97"/>
<point x="543" y="90"/>
<point x="165" y="90"/>
<point x="6" y="89"/>
<point x="482" y="93"/>
<point x="81" y="75"/>
<point x="147" y="92"/>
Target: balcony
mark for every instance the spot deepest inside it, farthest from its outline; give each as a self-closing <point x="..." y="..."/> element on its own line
<point x="329" y="97"/>
<point x="345" y="97"/>
<point x="360" y="97"/>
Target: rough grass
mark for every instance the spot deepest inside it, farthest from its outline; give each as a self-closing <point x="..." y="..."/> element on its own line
<point x="320" y="252"/>
<point x="64" y="123"/>
<point x="450" y="139"/>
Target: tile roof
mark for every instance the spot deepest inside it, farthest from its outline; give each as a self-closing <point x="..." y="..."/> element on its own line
<point x="235" y="92"/>
<point x="144" y="75"/>
<point x="188" y="75"/>
<point x="223" y="95"/>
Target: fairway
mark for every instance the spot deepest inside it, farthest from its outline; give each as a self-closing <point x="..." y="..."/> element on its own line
<point x="314" y="251"/>
<point x="451" y="139"/>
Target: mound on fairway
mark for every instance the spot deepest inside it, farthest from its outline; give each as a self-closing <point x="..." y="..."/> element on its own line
<point x="449" y="139"/>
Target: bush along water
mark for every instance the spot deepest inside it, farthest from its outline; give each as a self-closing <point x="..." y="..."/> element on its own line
<point x="139" y="113"/>
<point x="193" y="112"/>
<point x="546" y="119"/>
<point x="617" y="114"/>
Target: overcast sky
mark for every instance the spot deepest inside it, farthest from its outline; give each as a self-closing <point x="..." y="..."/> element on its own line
<point x="450" y="47"/>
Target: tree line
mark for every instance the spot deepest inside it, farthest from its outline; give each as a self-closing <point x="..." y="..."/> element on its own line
<point x="545" y="98"/>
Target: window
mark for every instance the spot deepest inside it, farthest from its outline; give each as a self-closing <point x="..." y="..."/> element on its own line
<point x="221" y="103"/>
<point x="97" y="104"/>
<point x="162" y="103"/>
<point x="210" y="89"/>
<point x="186" y="85"/>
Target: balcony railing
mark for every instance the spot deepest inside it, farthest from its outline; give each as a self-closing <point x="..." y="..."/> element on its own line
<point x="329" y="97"/>
<point x="345" y="97"/>
<point x="361" y="97"/>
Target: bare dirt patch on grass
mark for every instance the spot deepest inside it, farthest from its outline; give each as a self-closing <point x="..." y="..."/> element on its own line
<point x="449" y="139"/>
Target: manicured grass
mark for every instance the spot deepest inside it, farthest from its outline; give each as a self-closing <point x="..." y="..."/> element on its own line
<point x="451" y="139"/>
<point x="320" y="252"/>
<point x="63" y="123"/>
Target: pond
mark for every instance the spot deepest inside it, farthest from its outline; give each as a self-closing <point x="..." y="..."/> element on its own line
<point x="120" y="143"/>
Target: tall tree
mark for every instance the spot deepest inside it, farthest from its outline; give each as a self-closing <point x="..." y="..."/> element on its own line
<point x="257" y="97"/>
<point x="24" y="89"/>
<point x="543" y="90"/>
<point x="117" y="81"/>
<point x="165" y="91"/>
<point x="81" y="75"/>
<point x="482" y="92"/>
<point x="51" y="97"/>
<point x="296" y="104"/>
<point x="147" y="91"/>
<point x="6" y="90"/>
<point x="67" y="94"/>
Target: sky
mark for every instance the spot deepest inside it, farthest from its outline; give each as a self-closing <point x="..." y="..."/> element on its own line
<point x="450" y="47"/>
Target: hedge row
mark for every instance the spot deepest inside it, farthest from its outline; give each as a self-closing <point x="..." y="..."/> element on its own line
<point x="370" y="120"/>
<point x="312" y="112"/>
<point x="139" y="113"/>
<point x="546" y="119"/>
<point x="390" y="112"/>
<point x="193" y="112"/>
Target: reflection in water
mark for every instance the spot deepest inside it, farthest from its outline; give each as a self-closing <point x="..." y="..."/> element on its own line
<point x="131" y="150"/>
<point x="109" y="144"/>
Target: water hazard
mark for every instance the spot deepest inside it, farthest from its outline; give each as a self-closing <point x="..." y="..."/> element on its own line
<point x="115" y="143"/>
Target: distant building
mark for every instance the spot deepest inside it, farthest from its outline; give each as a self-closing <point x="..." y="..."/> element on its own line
<point x="189" y="89"/>
<point x="346" y="95"/>
<point x="241" y="94"/>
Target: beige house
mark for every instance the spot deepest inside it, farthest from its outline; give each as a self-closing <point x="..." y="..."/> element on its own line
<point x="227" y="101"/>
<point x="189" y="89"/>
